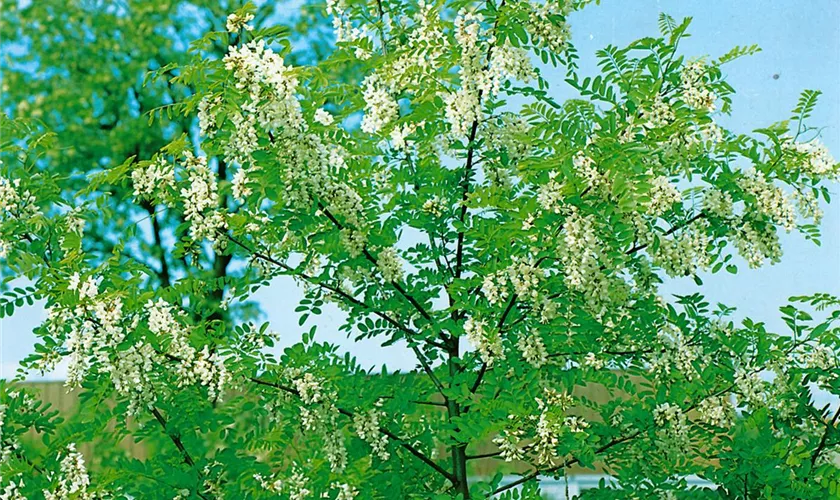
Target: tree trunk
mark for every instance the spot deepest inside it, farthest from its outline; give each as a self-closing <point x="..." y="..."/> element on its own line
<point x="458" y="450"/>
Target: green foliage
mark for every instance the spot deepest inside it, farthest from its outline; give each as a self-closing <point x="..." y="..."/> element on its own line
<point x="418" y="180"/>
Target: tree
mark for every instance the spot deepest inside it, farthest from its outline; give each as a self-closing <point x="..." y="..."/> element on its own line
<point x="440" y="195"/>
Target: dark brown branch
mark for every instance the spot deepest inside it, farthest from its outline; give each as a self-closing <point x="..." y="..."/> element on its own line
<point x="411" y="449"/>
<point x="353" y="300"/>
<point x="829" y="427"/>
<point x="177" y="442"/>
<point x="565" y="464"/>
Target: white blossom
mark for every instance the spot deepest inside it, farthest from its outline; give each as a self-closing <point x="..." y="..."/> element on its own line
<point x="323" y="117"/>
<point x="390" y="265"/>
<point x="487" y="341"/>
<point x="236" y="22"/>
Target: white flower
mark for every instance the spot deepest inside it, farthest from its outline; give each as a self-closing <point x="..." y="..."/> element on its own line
<point x="818" y="160"/>
<point x="663" y="196"/>
<point x="715" y="411"/>
<point x="694" y="90"/>
<point x="366" y="425"/>
<point x="508" y="443"/>
<point x="717" y="203"/>
<point x="533" y="349"/>
<point x="390" y="265"/>
<point x="235" y="22"/>
<point x="201" y="200"/>
<point x="323" y="117"/>
<point x="73" y="479"/>
<point x="150" y="181"/>
<point x="488" y="342"/>
<point x="380" y="108"/>
<point x="770" y="200"/>
<point x="757" y="244"/>
<point x="239" y="185"/>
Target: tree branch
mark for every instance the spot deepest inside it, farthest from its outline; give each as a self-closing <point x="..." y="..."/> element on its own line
<point x="829" y="427"/>
<point x="353" y="300"/>
<point x="411" y="449"/>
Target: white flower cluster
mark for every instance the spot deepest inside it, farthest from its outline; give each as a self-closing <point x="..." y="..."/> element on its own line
<point x="551" y="424"/>
<point x="201" y="200"/>
<point x="523" y="274"/>
<point x="401" y="132"/>
<point x="320" y="415"/>
<point x="508" y="133"/>
<point x="87" y="289"/>
<point x="366" y="425"/>
<point x="576" y="424"/>
<point x="12" y="491"/>
<point x="479" y="77"/>
<point x="207" y="109"/>
<point x="435" y="206"/>
<point x="808" y="205"/>
<point x="239" y="184"/>
<point x="151" y="180"/>
<point x="131" y="373"/>
<point x="717" y="203"/>
<point x="579" y="252"/>
<point x="821" y="357"/>
<point x="593" y="361"/>
<point x="684" y="254"/>
<point x="487" y="341"/>
<point x="695" y="93"/>
<point x="271" y="87"/>
<point x="345" y="31"/>
<point x="716" y="411"/>
<point x="390" y="265"/>
<point x="545" y="27"/>
<point x="73" y="479"/>
<point x="463" y="107"/>
<point x="204" y="367"/>
<point x="674" y="424"/>
<point x="586" y="168"/>
<point x="323" y="117"/>
<point x="770" y="200"/>
<point x="758" y="243"/>
<point x="750" y="387"/>
<point x="508" y="443"/>
<point x="296" y="486"/>
<point x="236" y="22"/>
<point x="676" y="354"/>
<point x="8" y="443"/>
<point x="381" y="109"/>
<point x="508" y="63"/>
<point x="15" y="203"/>
<point x="818" y="160"/>
<point x="96" y="327"/>
<point x="420" y="55"/>
<point x="550" y="195"/>
<point x="658" y="115"/>
<point x="663" y="196"/>
<point x="345" y="491"/>
<point x="533" y="349"/>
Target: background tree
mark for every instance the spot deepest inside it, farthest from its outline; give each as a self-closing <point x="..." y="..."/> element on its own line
<point x="441" y="196"/>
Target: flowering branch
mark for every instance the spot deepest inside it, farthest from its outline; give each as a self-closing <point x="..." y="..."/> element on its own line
<point x="411" y="449"/>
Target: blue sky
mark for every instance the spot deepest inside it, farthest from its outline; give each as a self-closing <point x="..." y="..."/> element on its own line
<point x="801" y="45"/>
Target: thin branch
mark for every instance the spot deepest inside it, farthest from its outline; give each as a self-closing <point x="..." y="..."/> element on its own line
<point x="177" y="442"/>
<point x="829" y="427"/>
<point x="669" y="232"/>
<point x="411" y="449"/>
<point x="353" y="300"/>
<point x="565" y="464"/>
